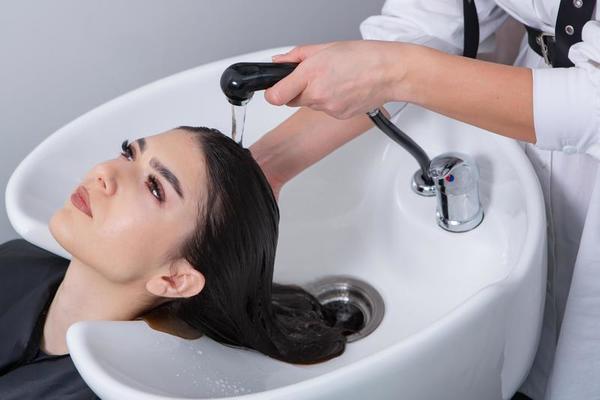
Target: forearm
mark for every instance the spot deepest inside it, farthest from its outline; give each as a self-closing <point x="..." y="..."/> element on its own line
<point x="302" y="140"/>
<point x="492" y="96"/>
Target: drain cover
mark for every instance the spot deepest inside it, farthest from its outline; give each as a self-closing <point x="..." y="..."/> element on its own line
<point x="349" y="304"/>
<point x="344" y="315"/>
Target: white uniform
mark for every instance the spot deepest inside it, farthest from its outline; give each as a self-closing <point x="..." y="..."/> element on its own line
<point x="566" y="105"/>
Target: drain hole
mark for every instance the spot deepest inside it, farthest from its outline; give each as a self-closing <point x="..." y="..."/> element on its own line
<point x="345" y="316"/>
<point x="349" y="304"/>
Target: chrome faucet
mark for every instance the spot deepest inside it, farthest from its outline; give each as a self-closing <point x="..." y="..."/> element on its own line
<point x="452" y="177"/>
<point x="456" y="179"/>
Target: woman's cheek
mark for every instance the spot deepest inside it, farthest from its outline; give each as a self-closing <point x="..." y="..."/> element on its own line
<point x="125" y="223"/>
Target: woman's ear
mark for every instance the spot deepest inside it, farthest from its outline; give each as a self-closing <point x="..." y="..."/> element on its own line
<point x="179" y="279"/>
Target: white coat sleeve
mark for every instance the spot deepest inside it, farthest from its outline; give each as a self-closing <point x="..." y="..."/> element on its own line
<point x="566" y="101"/>
<point x="438" y="24"/>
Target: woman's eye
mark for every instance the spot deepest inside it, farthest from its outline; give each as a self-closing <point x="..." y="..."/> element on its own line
<point x="152" y="183"/>
<point x="127" y="150"/>
<point x="155" y="188"/>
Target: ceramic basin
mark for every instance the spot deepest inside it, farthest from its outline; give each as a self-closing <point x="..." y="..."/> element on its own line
<point x="463" y="310"/>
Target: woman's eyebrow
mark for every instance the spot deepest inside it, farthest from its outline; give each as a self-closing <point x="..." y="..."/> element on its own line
<point x="167" y="174"/>
<point x="141" y="144"/>
<point x="164" y="171"/>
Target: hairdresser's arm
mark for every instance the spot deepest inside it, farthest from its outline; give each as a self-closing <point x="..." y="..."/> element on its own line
<point x="351" y="78"/>
<point x="302" y="140"/>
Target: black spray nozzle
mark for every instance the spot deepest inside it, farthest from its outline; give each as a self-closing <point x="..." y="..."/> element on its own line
<point x="240" y="81"/>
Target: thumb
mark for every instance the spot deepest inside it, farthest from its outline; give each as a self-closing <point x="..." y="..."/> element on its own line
<point x="300" y="53"/>
<point x="286" y="89"/>
<point x="291" y="56"/>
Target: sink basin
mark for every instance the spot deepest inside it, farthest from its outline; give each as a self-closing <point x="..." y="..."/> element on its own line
<point x="462" y="310"/>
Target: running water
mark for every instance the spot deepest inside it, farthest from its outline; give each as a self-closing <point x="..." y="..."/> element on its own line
<point x="238" y="119"/>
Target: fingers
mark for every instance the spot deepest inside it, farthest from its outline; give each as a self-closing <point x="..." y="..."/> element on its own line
<point x="293" y="85"/>
<point x="287" y="89"/>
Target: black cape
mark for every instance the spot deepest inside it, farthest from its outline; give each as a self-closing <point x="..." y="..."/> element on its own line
<point x="29" y="278"/>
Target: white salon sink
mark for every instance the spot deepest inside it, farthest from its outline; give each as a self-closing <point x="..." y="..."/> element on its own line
<point x="462" y="310"/>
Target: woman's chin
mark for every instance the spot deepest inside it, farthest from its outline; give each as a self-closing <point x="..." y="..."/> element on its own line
<point x="61" y="228"/>
<point x="65" y="229"/>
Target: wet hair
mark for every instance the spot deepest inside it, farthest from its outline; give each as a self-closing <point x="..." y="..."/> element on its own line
<point x="233" y="246"/>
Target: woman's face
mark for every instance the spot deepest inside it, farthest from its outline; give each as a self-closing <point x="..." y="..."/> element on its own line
<point x="143" y="205"/>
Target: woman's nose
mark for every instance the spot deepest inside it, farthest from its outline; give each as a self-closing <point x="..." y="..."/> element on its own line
<point x="105" y="179"/>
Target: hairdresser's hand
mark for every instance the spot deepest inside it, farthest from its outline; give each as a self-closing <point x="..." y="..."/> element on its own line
<point x="343" y="79"/>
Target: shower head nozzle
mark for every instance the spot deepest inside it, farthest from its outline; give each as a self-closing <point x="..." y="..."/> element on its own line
<point x="240" y="81"/>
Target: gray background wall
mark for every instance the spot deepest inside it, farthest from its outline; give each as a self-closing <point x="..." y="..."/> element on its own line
<point x="61" y="58"/>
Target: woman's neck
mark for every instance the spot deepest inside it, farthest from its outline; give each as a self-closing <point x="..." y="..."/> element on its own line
<point x="86" y="295"/>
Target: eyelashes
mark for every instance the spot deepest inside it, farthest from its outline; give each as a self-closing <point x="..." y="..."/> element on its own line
<point x="127" y="150"/>
<point x="153" y="184"/>
<point x="155" y="188"/>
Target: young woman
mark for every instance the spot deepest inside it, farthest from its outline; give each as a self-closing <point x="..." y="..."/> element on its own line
<point x="183" y="222"/>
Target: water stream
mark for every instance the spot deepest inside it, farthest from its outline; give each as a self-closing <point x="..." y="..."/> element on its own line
<point x="238" y="120"/>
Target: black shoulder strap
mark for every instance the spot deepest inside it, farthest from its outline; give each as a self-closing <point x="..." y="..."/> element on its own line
<point x="471" y="31"/>
<point x="572" y="15"/>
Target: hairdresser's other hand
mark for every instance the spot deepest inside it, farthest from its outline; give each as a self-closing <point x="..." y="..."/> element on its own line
<point x="343" y="79"/>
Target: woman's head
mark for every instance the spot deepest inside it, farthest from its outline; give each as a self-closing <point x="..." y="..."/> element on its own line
<point x="207" y="253"/>
<point x="141" y="205"/>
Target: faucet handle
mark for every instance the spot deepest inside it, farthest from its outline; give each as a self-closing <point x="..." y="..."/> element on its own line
<point x="456" y="179"/>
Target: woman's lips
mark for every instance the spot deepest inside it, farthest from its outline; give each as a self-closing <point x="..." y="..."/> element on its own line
<point x="81" y="200"/>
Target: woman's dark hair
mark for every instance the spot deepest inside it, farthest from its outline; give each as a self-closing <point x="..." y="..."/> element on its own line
<point x="233" y="246"/>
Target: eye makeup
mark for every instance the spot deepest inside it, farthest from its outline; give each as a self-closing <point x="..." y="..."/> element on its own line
<point x="155" y="188"/>
<point x="127" y="150"/>
<point x="153" y="184"/>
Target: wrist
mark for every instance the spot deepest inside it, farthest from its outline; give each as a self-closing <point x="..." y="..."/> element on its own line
<point x="407" y="73"/>
<point x="266" y="161"/>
